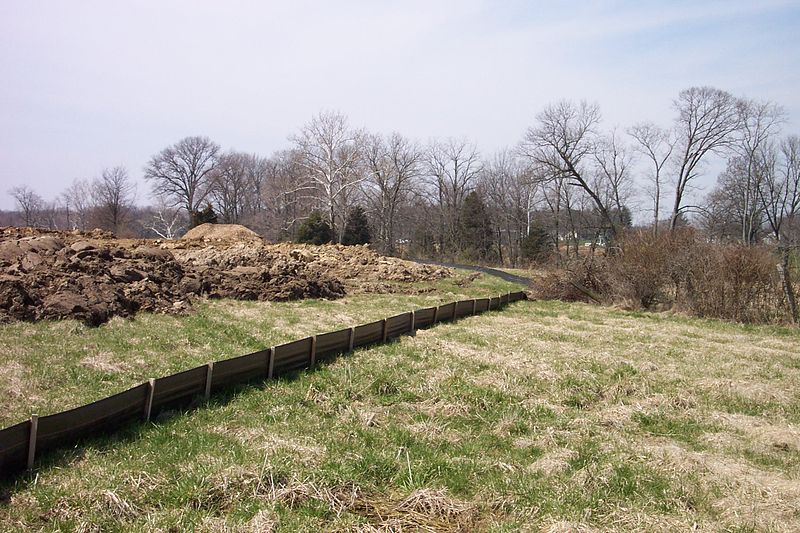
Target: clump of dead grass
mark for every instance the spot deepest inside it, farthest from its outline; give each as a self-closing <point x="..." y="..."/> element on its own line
<point x="426" y="509"/>
<point x="105" y="363"/>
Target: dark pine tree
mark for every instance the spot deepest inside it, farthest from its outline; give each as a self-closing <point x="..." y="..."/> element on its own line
<point x="536" y="246"/>
<point x="204" y="216"/>
<point x="315" y="230"/>
<point x="356" y="227"/>
<point x="477" y="235"/>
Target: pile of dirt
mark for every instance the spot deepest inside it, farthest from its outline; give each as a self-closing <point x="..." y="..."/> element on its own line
<point x="221" y="232"/>
<point x="91" y="276"/>
<point x="46" y="277"/>
<point x="358" y="267"/>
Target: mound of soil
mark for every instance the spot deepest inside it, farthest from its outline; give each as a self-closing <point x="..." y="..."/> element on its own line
<point x="359" y="267"/>
<point x="91" y="276"/>
<point x="45" y="277"/>
<point x="221" y="232"/>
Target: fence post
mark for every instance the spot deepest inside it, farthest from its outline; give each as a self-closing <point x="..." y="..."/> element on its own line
<point x="209" y="373"/>
<point x="435" y="315"/>
<point x="384" y="332"/>
<point x="413" y="328"/>
<point x="148" y="405"/>
<point x="32" y="440"/>
<point x="313" y="351"/>
<point x="270" y="361"/>
<point x="352" y="339"/>
<point x="474" y="305"/>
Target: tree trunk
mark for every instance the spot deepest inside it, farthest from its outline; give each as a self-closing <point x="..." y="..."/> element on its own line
<point x="787" y="284"/>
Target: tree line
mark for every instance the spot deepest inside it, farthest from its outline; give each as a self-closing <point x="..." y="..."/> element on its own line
<point x="567" y="183"/>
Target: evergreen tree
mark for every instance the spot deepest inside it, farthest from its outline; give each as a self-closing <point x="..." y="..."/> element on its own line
<point x="477" y="235"/>
<point x="356" y="227"/>
<point x="204" y="216"/>
<point x="315" y="230"/>
<point x="537" y="245"/>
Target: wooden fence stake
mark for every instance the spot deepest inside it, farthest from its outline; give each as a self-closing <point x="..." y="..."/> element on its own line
<point x="352" y="339"/>
<point x="148" y="405"/>
<point x="435" y="315"/>
<point x="383" y="334"/>
<point x="270" y="362"/>
<point x="474" y="305"/>
<point x="413" y="323"/>
<point x="32" y="440"/>
<point x="313" y="351"/>
<point x="209" y="373"/>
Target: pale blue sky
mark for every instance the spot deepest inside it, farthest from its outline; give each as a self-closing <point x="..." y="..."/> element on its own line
<point x="91" y="84"/>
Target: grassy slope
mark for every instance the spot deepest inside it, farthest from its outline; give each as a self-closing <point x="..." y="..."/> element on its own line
<point x="50" y="366"/>
<point x="545" y="415"/>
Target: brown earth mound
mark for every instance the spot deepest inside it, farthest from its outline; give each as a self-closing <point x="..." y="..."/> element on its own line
<point x="90" y="276"/>
<point x="221" y="232"/>
<point x="359" y="267"/>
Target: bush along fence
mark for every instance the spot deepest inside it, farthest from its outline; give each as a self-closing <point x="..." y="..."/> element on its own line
<point x="22" y="443"/>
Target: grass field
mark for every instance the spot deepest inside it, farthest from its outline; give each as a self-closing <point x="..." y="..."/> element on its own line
<point x="50" y="366"/>
<point x="543" y="416"/>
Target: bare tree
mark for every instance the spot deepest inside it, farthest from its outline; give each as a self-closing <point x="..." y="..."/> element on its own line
<point x="564" y="143"/>
<point x="553" y="197"/>
<point x="613" y="182"/>
<point x="511" y="190"/>
<point x="707" y="120"/>
<point x="760" y="121"/>
<point x="256" y="174"/>
<point x="453" y="166"/>
<point x="29" y="203"/>
<point x="656" y="145"/>
<point x="181" y="172"/>
<point x="167" y="221"/>
<point x="229" y="186"/>
<point x="113" y="196"/>
<point x="780" y="197"/>
<point x="731" y="206"/>
<point x="78" y="203"/>
<point x="288" y="194"/>
<point x="331" y="152"/>
<point x="393" y="165"/>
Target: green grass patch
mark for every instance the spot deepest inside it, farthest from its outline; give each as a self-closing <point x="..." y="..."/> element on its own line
<point x="529" y="418"/>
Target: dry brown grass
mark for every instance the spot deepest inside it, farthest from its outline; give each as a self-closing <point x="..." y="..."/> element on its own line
<point x="545" y="417"/>
<point x="682" y="369"/>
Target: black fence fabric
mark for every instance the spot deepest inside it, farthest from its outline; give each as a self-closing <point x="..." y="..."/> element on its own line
<point x="20" y="444"/>
<point x="329" y="344"/>
<point x="397" y="325"/>
<point x="63" y="429"/>
<point x="240" y="369"/>
<point x="292" y="356"/>
<point x="424" y="317"/>
<point x="179" y="389"/>
<point x="14" y="442"/>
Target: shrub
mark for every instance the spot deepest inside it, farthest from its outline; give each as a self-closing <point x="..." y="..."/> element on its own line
<point x="536" y="246"/>
<point x="677" y="270"/>
<point x="579" y="281"/>
<point x="735" y="282"/>
<point x="315" y="230"/>
<point x="648" y="270"/>
<point x="204" y="216"/>
<point x="356" y="227"/>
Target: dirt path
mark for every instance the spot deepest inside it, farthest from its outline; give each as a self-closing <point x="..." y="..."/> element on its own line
<point x="486" y="270"/>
